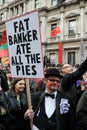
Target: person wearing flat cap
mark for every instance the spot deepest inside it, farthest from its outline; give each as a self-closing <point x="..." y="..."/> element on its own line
<point x="51" y="109"/>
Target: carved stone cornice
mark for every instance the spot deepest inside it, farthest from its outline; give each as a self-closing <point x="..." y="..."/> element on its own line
<point x="72" y="15"/>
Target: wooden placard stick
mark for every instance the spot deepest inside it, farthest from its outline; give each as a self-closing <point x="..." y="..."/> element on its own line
<point x="29" y="98"/>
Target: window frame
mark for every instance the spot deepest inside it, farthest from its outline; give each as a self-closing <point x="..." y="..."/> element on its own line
<point x="53" y="2"/>
<point x="1" y="16"/>
<point x="71" y="57"/>
<point x="37" y="4"/>
<point x="72" y="29"/>
<point x="54" y="25"/>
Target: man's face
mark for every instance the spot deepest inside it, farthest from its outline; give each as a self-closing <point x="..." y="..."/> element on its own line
<point x="67" y="69"/>
<point x="52" y="83"/>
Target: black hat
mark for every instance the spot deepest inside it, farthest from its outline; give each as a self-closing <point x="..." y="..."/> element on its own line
<point x="53" y="72"/>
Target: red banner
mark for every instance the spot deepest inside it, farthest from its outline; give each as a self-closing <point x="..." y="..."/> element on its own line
<point x="3" y="53"/>
<point x="60" y="52"/>
<point x="3" y="45"/>
<point x="55" y="31"/>
<point x="4" y="38"/>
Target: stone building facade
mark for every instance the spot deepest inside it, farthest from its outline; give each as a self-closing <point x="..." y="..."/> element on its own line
<point x="70" y="16"/>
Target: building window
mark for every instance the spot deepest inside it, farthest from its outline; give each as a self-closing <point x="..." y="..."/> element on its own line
<point x="3" y="1"/>
<point x="22" y="8"/>
<point x="1" y="17"/>
<point x="52" y="58"/>
<point x="53" y="2"/>
<point x="12" y="12"/>
<point x="72" y="26"/>
<point x="37" y="4"/>
<point x="71" y="57"/>
<point x="53" y="26"/>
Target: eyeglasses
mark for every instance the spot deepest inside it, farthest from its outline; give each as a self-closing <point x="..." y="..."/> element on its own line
<point x="54" y="80"/>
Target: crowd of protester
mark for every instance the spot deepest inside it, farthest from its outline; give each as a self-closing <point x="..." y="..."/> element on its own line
<point x="14" y="112"/>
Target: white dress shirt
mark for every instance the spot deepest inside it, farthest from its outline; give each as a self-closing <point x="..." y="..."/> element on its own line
<point x="50" y="105"/>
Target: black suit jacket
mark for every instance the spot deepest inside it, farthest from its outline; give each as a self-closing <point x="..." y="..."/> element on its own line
<point x="64" y="120"/>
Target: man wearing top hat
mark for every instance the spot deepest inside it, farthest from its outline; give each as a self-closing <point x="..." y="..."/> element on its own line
<point x="51" y="109"/>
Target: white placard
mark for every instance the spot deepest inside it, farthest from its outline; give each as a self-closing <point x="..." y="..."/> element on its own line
<point x="24" y="44"/>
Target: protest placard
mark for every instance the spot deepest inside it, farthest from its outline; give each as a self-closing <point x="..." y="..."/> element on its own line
<point x="24" y="44"/>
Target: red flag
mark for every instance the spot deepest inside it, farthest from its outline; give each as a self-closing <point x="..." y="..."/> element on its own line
<point x="60" y="53"/>
<point x="4" y="38"/>
<point x="3" y="45"/>
<point x="3" y="53"/>
<point x="55" y="31"/>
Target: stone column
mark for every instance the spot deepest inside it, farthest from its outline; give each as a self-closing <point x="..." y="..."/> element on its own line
<point x="25" y="7"/>
<point x="19" y="9"/>
<point x="14" y="11"/>
<point x="82" y="19"/>
<point x="62" y="23"/>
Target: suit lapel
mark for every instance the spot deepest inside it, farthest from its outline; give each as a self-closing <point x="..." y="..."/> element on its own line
<point x="57" y="110"/>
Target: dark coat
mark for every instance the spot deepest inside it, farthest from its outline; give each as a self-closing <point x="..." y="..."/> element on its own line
<point x="81" y="111"/>
<point x="4" y="83"/>
<point x="69" y="80"/>
<point x="64" y="121"/>
<point x="3" y="105"/>
<point x="14" y="120"/>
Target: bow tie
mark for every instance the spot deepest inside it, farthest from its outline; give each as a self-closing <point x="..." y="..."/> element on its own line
<point x="50" y="95"/>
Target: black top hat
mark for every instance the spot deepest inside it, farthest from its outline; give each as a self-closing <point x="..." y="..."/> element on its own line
<point x="53" y="72"/>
